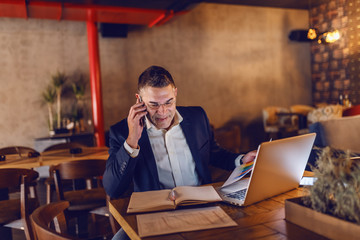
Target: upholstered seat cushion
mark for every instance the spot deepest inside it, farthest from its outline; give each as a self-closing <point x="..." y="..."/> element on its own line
<point x="85" y="199"/>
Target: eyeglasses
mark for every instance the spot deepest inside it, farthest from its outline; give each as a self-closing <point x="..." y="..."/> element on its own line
<point x="156" y="106"/>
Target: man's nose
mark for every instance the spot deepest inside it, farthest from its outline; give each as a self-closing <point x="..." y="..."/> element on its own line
<point x="162" y="109"/>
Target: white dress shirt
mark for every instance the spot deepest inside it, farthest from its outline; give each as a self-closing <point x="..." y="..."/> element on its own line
<point x="174" y="161"/>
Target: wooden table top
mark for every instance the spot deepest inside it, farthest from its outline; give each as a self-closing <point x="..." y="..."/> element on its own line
<point x="265" y="220"/>
<point x="53" y="157"/>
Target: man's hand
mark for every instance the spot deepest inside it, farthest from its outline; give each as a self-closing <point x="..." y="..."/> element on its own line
<point x="137" y="111"/>
<point x="249" y="157"/>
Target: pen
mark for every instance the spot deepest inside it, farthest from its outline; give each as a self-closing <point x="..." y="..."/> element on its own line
<point x="172" y="195"/>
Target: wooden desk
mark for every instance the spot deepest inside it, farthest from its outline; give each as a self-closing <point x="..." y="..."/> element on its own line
<point x="54" y="157"/>
<point x="265" y="220"/>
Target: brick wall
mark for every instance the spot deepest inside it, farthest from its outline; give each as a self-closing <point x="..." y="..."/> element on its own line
<point x="335" y="66"/>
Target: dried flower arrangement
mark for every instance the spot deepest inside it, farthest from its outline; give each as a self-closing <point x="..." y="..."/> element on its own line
<point x="337" y="189"/>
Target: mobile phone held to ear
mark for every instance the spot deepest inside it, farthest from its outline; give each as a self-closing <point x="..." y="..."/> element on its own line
<point x="142" y="120"/>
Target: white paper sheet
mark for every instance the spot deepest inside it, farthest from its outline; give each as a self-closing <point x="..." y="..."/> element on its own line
<point x="160" y="223"/>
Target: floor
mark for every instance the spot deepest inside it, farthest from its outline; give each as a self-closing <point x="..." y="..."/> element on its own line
<point x="100" y="229"/>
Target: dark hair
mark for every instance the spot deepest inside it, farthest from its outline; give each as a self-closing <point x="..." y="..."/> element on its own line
<point x="155" y="76"/>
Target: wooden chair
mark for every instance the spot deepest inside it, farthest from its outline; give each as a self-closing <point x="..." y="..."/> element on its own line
<point x="277" y="125"/>
<point x="13" y="209"/>
<point x="49" y="182"/>
<point x="22" y="151"/>
<point x="84" y="200"/>
<point x="51" y="214"/>
<point x="68" y="145"/>
<point x="300" y="117"/>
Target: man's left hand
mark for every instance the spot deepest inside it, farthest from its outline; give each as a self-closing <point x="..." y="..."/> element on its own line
<point x="249" y="157"/>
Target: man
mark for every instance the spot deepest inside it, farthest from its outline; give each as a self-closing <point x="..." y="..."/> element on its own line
<point x="160" y="145"/>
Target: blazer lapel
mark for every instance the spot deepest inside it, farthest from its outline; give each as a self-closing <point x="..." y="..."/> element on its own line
<point x="192" y="137"/>
<point x="191" y="140"/>
<point x="149" y="159"/>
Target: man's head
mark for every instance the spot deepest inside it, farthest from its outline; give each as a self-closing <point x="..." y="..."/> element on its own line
<point x="158" y="91"/>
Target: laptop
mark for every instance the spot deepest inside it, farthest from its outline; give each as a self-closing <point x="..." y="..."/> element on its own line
<point x="278" y="168"/>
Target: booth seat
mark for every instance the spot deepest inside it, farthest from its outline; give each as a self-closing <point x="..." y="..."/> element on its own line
<point x="338" y="133"/>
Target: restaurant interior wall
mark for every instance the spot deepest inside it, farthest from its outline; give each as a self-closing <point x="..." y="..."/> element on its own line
<point x="231" y="60"/>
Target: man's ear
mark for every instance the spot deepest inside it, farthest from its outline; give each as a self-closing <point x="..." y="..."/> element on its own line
<point x="137" y="97"/>
<point x="175" y="92"/>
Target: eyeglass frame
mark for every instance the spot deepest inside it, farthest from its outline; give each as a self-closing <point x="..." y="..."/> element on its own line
<point x="157" y="106"/>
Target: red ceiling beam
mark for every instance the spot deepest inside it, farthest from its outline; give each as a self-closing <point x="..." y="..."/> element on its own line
<point x="52" y="10"/>
<point x="13" y="8"/>
<point x="78" y="12"/>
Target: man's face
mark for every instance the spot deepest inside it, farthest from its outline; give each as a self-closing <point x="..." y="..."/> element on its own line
<point x="160" y="104"/>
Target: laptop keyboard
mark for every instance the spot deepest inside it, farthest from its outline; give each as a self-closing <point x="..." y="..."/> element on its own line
<point x="238" y="194"/>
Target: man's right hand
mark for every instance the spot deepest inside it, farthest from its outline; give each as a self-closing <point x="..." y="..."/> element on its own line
<point x="137" y="111"/>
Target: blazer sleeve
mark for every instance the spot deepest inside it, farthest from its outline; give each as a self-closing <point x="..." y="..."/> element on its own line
<point x="119" y="166"/>
<point x="219" y="157"/>
<point x="201" y="141"/>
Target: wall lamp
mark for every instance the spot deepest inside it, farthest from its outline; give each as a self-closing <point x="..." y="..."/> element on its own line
<point x="313" y="35"/>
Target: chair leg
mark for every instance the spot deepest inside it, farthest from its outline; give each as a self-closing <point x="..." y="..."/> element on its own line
<point x="48" y="193"/>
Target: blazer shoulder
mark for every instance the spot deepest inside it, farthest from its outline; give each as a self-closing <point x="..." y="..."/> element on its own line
<point x="120" y="126"/>
<point x="191" y="111"/>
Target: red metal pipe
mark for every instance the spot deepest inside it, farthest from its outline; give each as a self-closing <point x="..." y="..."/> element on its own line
<point x="169" y="15"/>
<point x="95" y="80"/>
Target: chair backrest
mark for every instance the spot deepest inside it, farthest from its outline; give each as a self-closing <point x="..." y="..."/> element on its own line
<point x="13" y="209"/>
<point x="68" y="145"/>
<point x="17" y="150"/>
<point x="301" y="109"/>
<point x="46" y="214"/>
<point x="270" y="117"/>
<point x="11" y="177"/>
<point x="82" y="169"/>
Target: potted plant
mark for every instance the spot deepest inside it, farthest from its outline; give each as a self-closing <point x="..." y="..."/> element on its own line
<point x="49" y="96"/>
<point x="58" y="81"/>
<point x="78" y="112"/>
<point x="332" y="207"/>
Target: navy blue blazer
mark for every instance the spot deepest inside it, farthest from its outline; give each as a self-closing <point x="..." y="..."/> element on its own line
<point x="121" y="169"/>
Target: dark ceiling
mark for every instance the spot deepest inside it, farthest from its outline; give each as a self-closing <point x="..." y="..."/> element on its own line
<point x="296" y="4"/>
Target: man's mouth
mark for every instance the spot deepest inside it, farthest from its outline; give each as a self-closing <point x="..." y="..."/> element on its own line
<point x="161" y="119"/>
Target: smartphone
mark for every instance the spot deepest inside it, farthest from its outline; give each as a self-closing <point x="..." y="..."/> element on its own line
<point x="142" y="120"/>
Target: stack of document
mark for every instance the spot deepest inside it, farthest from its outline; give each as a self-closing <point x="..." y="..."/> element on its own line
<point x="239" y="172"/>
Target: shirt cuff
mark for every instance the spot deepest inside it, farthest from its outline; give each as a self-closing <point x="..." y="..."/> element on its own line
<point x="238" y="161"/>
<point x="133" y="152"/>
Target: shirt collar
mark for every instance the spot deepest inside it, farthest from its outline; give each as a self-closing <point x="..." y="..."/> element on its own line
<point x="177" y="120"/>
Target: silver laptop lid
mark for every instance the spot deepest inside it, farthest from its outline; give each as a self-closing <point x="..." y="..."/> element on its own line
<point x="279" y="166"/>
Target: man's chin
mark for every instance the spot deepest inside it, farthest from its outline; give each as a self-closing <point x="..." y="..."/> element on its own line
<point x="162" y="124"/>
